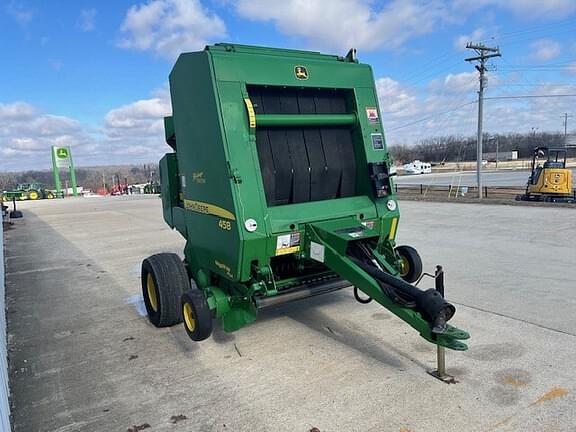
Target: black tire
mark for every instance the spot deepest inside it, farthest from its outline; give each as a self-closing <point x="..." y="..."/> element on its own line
<point x="164" y="280"/>
<point x="197" y="315"/>
<point x="49" y="195"/>
<point x="411" y="263"/>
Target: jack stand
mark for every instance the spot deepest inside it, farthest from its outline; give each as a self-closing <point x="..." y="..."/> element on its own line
<point x="440" y="371"/>
<point x="14" y="214"/>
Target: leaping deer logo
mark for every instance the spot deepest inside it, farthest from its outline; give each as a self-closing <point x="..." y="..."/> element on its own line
<point x="301" y="72"/>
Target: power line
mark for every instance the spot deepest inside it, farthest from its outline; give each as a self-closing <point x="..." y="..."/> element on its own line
<point x="530" y="96"/>
<point x="518" y="36"/>
<point x="428" y="117"/>
<point x="535" y="29"/>
<point x="539" y="65"/>
<point x="533" y="85"/>
<point x="543" y="69"/>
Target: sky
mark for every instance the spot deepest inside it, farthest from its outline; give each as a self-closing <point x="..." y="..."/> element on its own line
<point x="93" y="75"/>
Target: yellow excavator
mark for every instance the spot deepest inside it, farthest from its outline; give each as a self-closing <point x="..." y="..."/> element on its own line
<point x="549" y="179"/>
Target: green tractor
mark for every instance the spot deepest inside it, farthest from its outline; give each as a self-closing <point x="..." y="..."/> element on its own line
<point x="34" y="191"/>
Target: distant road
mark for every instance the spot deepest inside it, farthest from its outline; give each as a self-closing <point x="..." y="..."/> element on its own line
<point x="491" y="177"/>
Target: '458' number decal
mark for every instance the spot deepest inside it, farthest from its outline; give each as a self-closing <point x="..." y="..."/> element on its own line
<point x="225" y="225"/>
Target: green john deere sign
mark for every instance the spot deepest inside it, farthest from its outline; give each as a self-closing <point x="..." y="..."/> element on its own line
<point x="62" y="153"/>
<point x="62" y="159"/>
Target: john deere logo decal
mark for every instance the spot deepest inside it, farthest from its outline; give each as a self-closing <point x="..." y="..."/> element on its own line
<point x="62" y="153"/>
<point x="301" y="72"/>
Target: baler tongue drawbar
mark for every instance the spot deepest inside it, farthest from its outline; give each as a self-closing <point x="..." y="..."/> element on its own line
<point x="346" y="247"/>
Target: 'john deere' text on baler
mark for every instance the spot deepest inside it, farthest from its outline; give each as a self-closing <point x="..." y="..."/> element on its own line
<point x="281" y="183"/>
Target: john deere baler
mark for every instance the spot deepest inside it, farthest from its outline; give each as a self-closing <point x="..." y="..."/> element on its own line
<point x="281" y="184"/>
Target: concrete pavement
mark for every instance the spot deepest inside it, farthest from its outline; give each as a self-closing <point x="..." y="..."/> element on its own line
<point x="83" y="358"/>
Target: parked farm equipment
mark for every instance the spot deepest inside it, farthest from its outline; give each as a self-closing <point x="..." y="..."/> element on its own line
<point x="280" y="182"/>
<point x="30" y="191"/>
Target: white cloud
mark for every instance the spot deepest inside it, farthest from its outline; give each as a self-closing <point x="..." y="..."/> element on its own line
<point x="26" y="135"/>
<point x="22" y="14"/>
<point x="86" y="20"/>
<point x="544" y="50"/>
<point x="461" y="41"/>
<point x="395" y="99"/>
<point x="141" y="117"/>
<point x="410" y="114"/>
<point x="343" y="24"/>
<point x="464" y="81"/>
<point x="16" y="111"/>
<point x="169" y="27"/>
<point x="132" y="133"/>
<point x="135" y="131"/>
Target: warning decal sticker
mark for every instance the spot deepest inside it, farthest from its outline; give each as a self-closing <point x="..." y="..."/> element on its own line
<point x="377" y="141"/>
<point x="372" y="115"/>
<point x="288" y="243"/>
<point x="317" y="252"/>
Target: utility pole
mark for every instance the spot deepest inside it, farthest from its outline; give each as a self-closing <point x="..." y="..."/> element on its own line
<point x="497" y="144"/>
<point x="534" y="130"/>
<point x="483" y="53"/>
<point x="496" y="139"/>
<point x="566" y="116"/>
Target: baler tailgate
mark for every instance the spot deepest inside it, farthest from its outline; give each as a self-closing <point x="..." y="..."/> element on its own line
<point x="304" y="143"/>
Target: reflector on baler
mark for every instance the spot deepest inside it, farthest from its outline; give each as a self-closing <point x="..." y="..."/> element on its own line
<point x="281" y="184"/>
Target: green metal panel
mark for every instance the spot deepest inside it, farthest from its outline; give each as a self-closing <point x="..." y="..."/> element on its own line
<point x="274" y="68"/>
<point x="169" y="186"/>
<point x="169" y="133"/>
<point x="202" y="165"/>
<point x="282" y="217"/>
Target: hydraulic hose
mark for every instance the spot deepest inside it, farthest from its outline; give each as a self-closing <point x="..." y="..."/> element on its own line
<point x="430" y="303"/>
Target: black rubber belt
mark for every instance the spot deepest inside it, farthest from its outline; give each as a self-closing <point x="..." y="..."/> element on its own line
<point x="303" y="164"/>
<point x="348" y="178"/>
<point x="266" y="165"/>
<point x="282" y="166"/>
<point x="300" y="165"/>
<point x="318" y="172"/>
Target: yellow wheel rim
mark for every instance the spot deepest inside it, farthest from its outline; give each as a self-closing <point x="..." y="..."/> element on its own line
<point x="33" y="195"/>
<point x="189" y="320"/>
<point x="151" y="288"/>
<point x="405" y="266"/>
